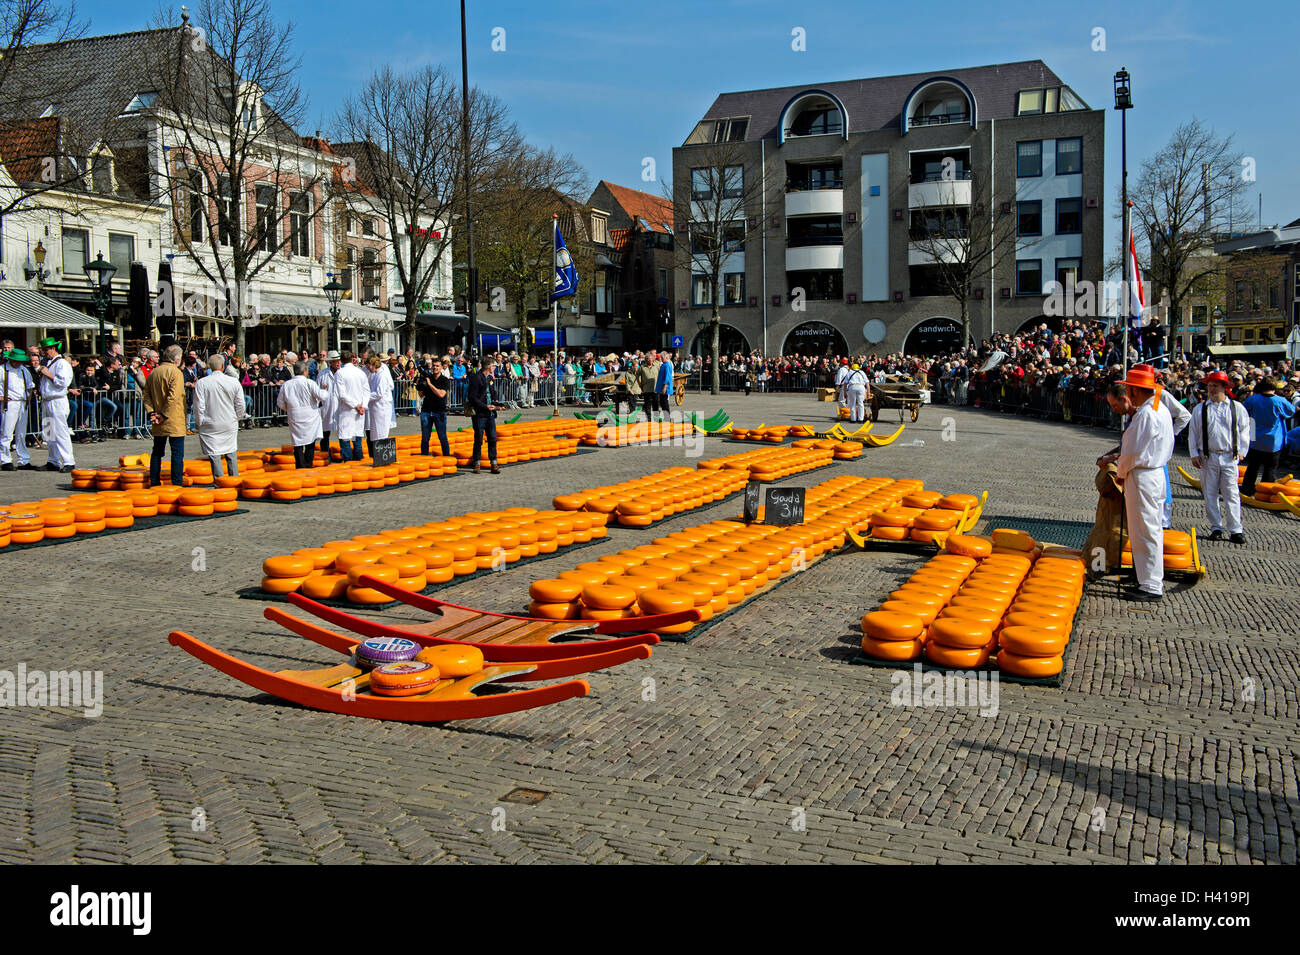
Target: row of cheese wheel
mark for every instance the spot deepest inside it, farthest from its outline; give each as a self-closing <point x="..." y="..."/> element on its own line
<point x="339" y="478"/>
<point x="772" y="464"/>
<point x="58" y="518"/>
<point x="921" y="516"/>
<point x="433" y="553"/>
<point x="643" y="501"/>
<point x="959" y="610"/>
<point x="1177" y="551"/>
<point x="638" y="432"/>
<point x="710" y="567"/>
<point x="774" y="433"/>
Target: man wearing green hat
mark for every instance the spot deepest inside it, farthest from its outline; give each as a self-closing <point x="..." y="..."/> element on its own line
<point x="55" y="376"/>
<point x="16" y="387"/>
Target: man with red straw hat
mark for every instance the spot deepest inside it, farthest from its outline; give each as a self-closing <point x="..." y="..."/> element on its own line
<point x="1218" y="439"/>
<point x="1145" y="450"/>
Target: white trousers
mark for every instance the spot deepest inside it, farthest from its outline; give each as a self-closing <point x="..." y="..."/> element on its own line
<point x="1219" y="484"/>
<point x="13" y="429"/>
<point x="857" y="402"/>
<point x="1144" y="502"/>
<point x="54" y="428"/>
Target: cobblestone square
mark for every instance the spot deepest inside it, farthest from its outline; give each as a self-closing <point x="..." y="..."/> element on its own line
<point x="1173" y="739"/>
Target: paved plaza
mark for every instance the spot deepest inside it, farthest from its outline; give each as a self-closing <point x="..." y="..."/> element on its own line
<point x="1173" y="739"/>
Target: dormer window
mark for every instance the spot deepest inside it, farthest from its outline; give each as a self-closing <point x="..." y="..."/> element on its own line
<point x="1049" y="99"/>
<point x="939" y="101"/>
<point x="142" y="101"/>
<point x="731" y="130"/>
<point x="817" y="118"/>
<point x="101" y="172"/>
<point x="245" y="107"/>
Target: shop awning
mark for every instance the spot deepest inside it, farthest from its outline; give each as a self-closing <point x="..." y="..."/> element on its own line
<point x="449" y="320"/>
<point x="1229" y="350"/>
<point x="286" y="308"/>
<point x="24" y="308"/>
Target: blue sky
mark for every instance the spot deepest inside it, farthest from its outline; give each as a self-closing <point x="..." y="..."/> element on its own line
<point x="618" y="80"/>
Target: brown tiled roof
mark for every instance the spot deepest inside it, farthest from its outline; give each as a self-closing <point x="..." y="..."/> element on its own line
<point x="24" y="144"/>
<point x="618" y="239"/>
<point x="655" y="210"/>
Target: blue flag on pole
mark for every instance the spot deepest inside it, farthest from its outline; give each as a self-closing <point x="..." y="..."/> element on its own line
<point x="566" y="276"/>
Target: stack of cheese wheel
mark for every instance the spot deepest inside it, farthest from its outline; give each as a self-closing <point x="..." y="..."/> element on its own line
<point x="6" y="532"/>
<point x="422" y="555"/>
<point x="285" y="574"/>
<point x="897" y="629"/>
<point x="963" y="632"/>
<point x="710" y="567"/>
<point x="1266" y="492"/>
<point x="642" y="501"/>
<point x="1033" y="634"/>
<point x="25" y="527"/>
<point x="1008" y="541"/>
<point x="1178" y="551"/>
<point x="781" y="461"/>
<point x="847" y="450"/>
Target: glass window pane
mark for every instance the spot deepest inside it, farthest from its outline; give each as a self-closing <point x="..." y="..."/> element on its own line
<point x="121" y="250"/>
<point x="1031" y="101"/>
<point x="74" y="251"/>
<point x="701" y="186"/>
<point x="1029" y="158"/>
<point x="1029" y="277"/>
<point x="1069" y="156"/>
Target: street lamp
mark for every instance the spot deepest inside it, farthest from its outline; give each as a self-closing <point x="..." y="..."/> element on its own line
<point x="38" y="256"/>
<point x="334" y="290"/>
<point x="1124" y="103"/>
<point x="100" y="275"/>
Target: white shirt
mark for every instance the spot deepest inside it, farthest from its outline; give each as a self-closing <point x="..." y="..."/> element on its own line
<point x="329" y="400"/>
<point x="350" y="389"/>
<point x="301" y="398"/>
<point x="1148" y="441"/>
<point x="1179" y="416"/>
<point x="218" y="408"/>
<point x="57" y="387"/>
<point x="1218" y="421"/>
<point x="19" y="381"/>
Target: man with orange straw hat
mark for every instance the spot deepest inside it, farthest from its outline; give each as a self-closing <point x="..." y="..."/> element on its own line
<point x="1218" y="440"/>
<point x="1145" y="450"/>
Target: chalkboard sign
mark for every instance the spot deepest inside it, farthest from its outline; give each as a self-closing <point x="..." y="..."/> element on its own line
<point x="383" y="452"/>
<point x="752" y="491"/>
<point x="784" y="505"/>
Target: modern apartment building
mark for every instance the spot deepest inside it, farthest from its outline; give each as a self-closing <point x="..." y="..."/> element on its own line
<point x="845" y="183"/>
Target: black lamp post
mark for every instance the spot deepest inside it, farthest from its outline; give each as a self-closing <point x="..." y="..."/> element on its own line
<point x="1124" y="103"/>
<point x="100" y="275"/>
<point x="334" y="290"/>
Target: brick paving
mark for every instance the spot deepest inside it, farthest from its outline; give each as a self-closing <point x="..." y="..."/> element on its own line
<point x="1174" y="737"/>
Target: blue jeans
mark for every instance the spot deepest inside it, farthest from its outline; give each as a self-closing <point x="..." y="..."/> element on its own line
<point x="428" y="421"/>
<point x="178" y="460"/>
<point x="108" y="413"/>
<point x="485" y="425"/>
<point x="351" y="449"/>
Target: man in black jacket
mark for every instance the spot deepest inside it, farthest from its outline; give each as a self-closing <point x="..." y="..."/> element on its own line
<point x="483" y="414"/>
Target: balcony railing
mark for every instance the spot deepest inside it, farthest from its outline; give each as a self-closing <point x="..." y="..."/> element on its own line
<point x="802" y="241"/>
<point x="957" y="174"/>
<point x="806" y="186"/>
<point x="938" y="119"/>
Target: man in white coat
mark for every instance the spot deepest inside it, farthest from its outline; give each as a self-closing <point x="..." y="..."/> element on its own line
<point x="379" y="419"/>
<point x="855" y="394"/>
<point x="16" y="387"/>
<point x="841" y="377"/>
<point x="300" y="399"/>
<point x="329" y="407"/>
<point x="1147" y="446"/>
<point x="352" y="392"/>
<point x="1219" y="438"/>
<point x="218" y="409"/>
<point x="55" y="378"/>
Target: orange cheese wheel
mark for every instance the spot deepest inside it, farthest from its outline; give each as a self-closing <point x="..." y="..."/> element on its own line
<point x="889" y="533"/>
<point x="195" y="497"/>
<point x="1032" y="642"/>
<point x="282" y="585"/>
<point x="888" y="625"/>
<point x="355" y="558"/>
<point x="964" y="659"/>
<point x="1177" y="542"/>
<point x="453" y="662"/>
<point x="1178" y="561"/>
<point x="966" y="545"/>
<point x="891" y="649"/>
<point x="922" y="499"/>
<point x="1024" y="605"/>
<point x="554" y="611"/>
<point x="1029" y="666"/>
<point x="926" y="613"/>
<point x="984" y="616"/>
<point x="595" y="613"/>
<point x="287" y="566"/>
<point x="960" y="632"/>
<point x="608" y="597"/>
<point x="321" y="557"/>
<point x="325" y="587"/>
<point x="388" y="575"/>
<point x="1024" y="618"/>
<point x="664" y="601"/>
<point x="957" y="502"/>
<point x="924" y="596"/>
<point x="555" y="591"/>
<point x="407" y="678"/>
<point x="407" y="565"/>
<point x="366" y="595"/>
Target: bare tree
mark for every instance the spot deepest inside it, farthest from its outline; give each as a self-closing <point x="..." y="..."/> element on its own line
<point x="1186" y="198"/>
<point x="404" y="132"/>
<point x="714" y="200"/>
<point x="961" y="244"/>
<point x="244" y="188"/>
<point x="513" y="223"/>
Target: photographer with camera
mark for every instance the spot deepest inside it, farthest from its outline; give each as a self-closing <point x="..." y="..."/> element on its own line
<point x="483" y="414"/>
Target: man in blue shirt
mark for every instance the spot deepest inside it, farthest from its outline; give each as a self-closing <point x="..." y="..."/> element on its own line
<point x="1269" y="414"/>
<point x="664" y="383"/>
